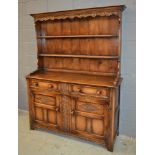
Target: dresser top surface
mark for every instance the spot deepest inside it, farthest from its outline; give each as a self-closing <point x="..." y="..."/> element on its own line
<point x="96" y="80"/>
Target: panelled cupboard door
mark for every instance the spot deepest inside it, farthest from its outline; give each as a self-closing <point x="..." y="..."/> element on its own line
<point x="46" y="110"/>
<point x="88" y="118"/>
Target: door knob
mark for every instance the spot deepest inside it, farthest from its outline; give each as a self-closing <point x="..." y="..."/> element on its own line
<point x="72" y="112"/>
<point x="98" y="92"/>
<point x="57" y="109"/>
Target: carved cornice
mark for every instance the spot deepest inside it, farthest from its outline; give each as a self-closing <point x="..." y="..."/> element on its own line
<point x="93" y="15"/>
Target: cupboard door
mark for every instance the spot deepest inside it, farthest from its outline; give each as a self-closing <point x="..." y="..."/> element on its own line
<point x="47" y="110"/>
<point x="88" y="118"/>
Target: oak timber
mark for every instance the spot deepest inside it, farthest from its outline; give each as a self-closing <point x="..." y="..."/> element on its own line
<point x="76" y="88"/>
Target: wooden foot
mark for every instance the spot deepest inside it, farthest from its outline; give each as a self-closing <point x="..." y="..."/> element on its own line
<point x="118" y="133"/>
<point x="32" y="127"/>
<point x="110" y="148"/>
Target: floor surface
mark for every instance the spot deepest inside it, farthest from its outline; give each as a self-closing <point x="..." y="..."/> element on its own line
<point x="37" y="142"/>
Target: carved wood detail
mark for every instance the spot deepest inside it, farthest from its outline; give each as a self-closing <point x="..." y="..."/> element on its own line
<point x="93" y="15"/>
<point x="89" y="107"/>
<point x="65" y="112"/>
<point x="45" y="99"/>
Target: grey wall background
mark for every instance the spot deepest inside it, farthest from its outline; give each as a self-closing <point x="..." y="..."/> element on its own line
<point x="28" y="51"/>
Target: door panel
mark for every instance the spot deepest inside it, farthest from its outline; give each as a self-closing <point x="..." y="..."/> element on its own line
<point x="89" y="107"/>
<point x="98" y="126"/>
<point x="51" y="116"/>
<point x="88" y="118"/>
<point x="47" y="110"/>
<point x="39" y="113"/>
<point x="80" y="122"/>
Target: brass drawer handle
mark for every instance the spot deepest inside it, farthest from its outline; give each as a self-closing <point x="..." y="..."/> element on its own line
<point x="36" y="84"/>
<point x="50" y="86"/>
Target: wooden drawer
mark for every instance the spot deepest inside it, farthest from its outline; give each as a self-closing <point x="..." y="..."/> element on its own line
<point x="90" y="90"/>
<point x="46" y="85"/>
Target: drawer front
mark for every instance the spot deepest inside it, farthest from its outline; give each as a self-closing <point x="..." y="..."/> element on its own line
<point x="44" y="85"/>
<point x="73" y="89"/>
<point x="90" y="90"/>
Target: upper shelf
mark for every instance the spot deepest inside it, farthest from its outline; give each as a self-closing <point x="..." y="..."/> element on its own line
<point x="78" y="36"/>
<point x="81" y="56"/>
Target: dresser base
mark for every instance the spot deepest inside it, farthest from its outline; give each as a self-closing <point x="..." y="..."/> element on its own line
<point x="36" y="126"/>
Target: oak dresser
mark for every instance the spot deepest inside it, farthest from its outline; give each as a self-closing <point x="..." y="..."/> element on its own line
<point x="76" y="88"/>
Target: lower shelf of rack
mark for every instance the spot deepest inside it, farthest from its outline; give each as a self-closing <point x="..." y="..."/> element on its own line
<point x="81" y="56"/>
